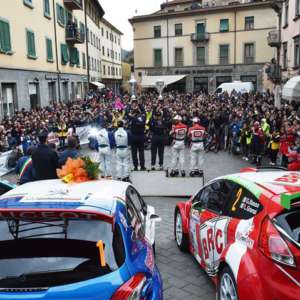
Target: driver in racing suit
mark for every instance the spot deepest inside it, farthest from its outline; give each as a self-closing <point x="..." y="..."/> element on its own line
<point x="178" y="132"/>
<point x="197" y="135"/>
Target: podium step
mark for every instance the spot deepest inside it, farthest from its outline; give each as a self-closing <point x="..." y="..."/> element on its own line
<point x="157" y="184"/>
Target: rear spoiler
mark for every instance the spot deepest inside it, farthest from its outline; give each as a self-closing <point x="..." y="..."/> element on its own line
<point x="262" y="169"/>
<point x="286" y="200"/>
<point x="38" y="214"/>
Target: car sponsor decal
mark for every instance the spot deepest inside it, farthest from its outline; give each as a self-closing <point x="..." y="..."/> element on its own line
<point x="289" y="178"/>
<point x="149" y="261"/>
<point x="123" y="220"/>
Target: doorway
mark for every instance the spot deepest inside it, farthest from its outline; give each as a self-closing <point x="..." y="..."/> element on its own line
<point x="9" y="98"/>
<point x="201" y="84"/>
<point x="52" y="92"/>
<point x="34" y="95"/>
<point x="65" y="92"/>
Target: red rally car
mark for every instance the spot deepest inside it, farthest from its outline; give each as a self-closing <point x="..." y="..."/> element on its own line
<point x="244" y="231"/>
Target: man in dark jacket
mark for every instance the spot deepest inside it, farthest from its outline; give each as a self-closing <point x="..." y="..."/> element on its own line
<point x="24" y="167"/>
<point x="137" y="119"/>
<point x="70" y="152"/>
<point x="45" y="160"/>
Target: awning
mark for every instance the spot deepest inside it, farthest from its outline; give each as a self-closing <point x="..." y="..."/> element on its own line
<point x="98" y="84"/>
<point x="291" y="90"/>
<point x="150" y="81"/>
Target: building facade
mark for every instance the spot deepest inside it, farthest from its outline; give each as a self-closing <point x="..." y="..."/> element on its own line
<point x="43" y="51"/>
<point x="210" y="43"/>
<point x="290" y="39"/>
<point x="111" y="56"/>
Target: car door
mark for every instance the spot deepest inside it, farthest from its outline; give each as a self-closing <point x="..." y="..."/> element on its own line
<point x="208" y="226"/>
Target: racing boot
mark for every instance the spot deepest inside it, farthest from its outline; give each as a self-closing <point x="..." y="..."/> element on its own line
<point x="192" y="173"/>
<point x="172" y="173"/>
<point x="182" y="173"/>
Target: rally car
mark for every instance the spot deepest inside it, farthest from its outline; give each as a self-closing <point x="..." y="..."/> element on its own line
<point x="92" y="241"/>
<point x="244" y="230"/>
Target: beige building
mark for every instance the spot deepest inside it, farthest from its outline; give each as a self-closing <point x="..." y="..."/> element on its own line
<point x="43" y="51"/>
<point x="111" y="55"/>
<point x="209" y="43"/>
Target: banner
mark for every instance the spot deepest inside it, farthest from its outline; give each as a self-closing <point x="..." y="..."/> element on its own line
<point x="83" y="134"/>
<point x="3" y="163"/>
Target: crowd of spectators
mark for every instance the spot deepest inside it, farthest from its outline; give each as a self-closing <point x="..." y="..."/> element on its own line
<point x="248" y="125"/>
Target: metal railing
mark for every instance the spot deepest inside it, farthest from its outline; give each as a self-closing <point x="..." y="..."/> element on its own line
<point x="73" y="4"/>
<point x="74" y="35"/>
<point x="200" y="37"/>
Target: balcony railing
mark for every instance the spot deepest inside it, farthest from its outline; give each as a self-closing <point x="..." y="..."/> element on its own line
<point x="74" y="35"/>
<point x="274" y="38"/>
<point x="73" y="4"/>
<point x="248" y="59"/>
<point x="200" y="37"/>
<point x="224" y="60"/>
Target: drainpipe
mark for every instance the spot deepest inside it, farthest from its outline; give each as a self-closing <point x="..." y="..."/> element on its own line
<point x="56" y="51"/>
<point x="234" y="62"/>
<point x="86" y="43"/>
<point x="168" y="50"/>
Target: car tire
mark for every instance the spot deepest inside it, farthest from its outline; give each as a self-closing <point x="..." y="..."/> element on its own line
<point x="181" y="238"/>
<point x="227" y="288"/>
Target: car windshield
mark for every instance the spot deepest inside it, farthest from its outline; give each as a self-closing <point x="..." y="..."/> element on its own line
<point x="45" y="253"/>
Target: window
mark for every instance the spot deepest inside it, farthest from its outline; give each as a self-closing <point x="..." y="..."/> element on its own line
<point x="47" y="8"/>
<point x="297" y="52"/>
<point x="200" y="55"/>
<point x="64" y="54"/>
<point x="157" y="31"/>
<point x="119" y="42"/>
<point x="108" y="68"/>
<point x="49" y="50"/>
<point x="31" y="53"/>
<point x="61" y="17"/>
<point x="286" y="14"/>
<point x="83" y="61"/>
<point x="112" y="54"/>
<point x="249" y="23"/>
<point x="224" y="25"/>
<point x="157" y="58"/>
<point x="178" y="29"/>
<point x="178" y="57"/>
<point x="102" y="31"/>
<point x="107" y="52"/>
<point x="104" y="70"/>
<point x="249" y="53"/>
<point x="28" y="3"/>
<point x="241" y="203"/>
<point x="224" y="54"/>
<point x="82" y="32"/>
<point x="103" y="51"/>
<point x="297" y="10"/>
<point x="5" y="43"/>
<point x="285" y="57"/>
<point x="106" y="34"/>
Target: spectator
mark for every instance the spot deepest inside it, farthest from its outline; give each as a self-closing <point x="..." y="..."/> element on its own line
<point x="70" y="152"/>
<point x="24" y="167"/>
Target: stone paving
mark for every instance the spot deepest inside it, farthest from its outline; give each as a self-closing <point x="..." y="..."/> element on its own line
<point x="182" y="277"/>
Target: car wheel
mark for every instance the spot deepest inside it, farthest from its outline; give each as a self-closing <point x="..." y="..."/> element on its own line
<point x="180" y="237"/>
<point x="227" y="289"/>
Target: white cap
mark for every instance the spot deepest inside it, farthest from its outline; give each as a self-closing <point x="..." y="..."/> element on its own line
<point x="133" y="98"/>
<point x="196" y="120"/>
<point x="177" y="118"/>
<point x="160" y="97"/>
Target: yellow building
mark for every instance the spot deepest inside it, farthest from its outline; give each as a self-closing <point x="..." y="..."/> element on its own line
<point x="43" y="51"/>
<point x="207" y="43"/>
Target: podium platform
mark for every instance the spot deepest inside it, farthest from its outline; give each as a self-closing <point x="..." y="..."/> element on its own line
<point x="157" y="184"/>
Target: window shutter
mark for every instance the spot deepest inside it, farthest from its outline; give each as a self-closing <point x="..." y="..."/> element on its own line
<point x="5" y="43"/>
<point x="74" y="56"/>
<point x="64" y="54"/>
<point x="49" y="50"/>
<point x="30" y="44"/>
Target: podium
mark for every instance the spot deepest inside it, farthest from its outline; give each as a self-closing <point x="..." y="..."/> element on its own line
<point x="158" y="184"/>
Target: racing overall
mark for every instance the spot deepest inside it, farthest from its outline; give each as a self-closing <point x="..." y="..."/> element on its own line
<point x="178" y="132"/>
<point x="122" y="163"/>
<point x="104" y="152"/>
<point x="197" y="135"/>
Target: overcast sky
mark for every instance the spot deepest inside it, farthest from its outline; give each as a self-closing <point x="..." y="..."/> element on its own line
<point x="119" y="11"/>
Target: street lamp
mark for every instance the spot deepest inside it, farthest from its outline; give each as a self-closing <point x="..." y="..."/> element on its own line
<point x="132" y="83"/>
<point x="160" y="84"/>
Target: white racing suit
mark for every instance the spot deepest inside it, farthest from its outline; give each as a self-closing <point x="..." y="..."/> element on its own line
<point x="179" y="132"/>
<point x="197" y="135"/>
<point x="104" y="153"/>
<point x="121" y="139"/>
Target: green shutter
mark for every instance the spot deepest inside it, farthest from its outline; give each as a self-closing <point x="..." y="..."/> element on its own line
<point x="46" y="8"/>
<point x="200" y="55"/>
<point x="224" y="25"/>
<point x="31" y="53"/>
<point x="49" y="50"/>
<point x="74" y="56"/>
<point x="157" y="58"/>
<point x="5" y="43"/>
<point x="83" y="61"/>
<point x="64" y="54"/>
<point x="61" y="18"/>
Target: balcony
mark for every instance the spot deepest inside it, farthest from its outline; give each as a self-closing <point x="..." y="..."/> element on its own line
<point x="200" y="37"/>
<point x="273" y="38"/>
<point x="74" y="35"/>
<point x="73" y="4"/>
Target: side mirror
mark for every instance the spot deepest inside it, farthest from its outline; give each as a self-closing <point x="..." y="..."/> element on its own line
<point x="155" y="218"/>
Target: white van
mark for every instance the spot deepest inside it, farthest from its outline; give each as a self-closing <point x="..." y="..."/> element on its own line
<point x="238" y="86"/>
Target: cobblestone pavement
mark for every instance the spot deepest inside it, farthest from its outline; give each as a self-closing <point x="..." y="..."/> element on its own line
<point x="182" y="277"/>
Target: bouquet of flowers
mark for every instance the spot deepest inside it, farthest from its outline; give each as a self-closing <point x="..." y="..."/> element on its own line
<point x="79" y="170"/>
